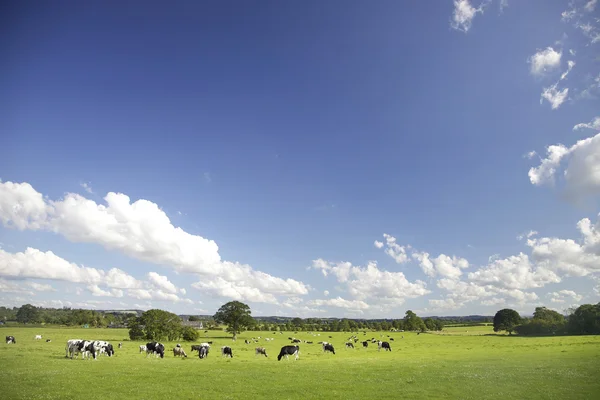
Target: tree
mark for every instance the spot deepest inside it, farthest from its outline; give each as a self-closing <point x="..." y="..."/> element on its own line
<point x="585" y="320"/>
<point x="506" y="320"/>
<point x="429" y="324"/>
<point x="136" y="331"/>
<point x="236" y="315"/>
<point x="160" y="325"/>
<point x="194" y="318"/>
<point x="547" y="315"/>
<point x="28" y="314"/>
<point x="190" y="334"/>
<point x="412" y="322"/>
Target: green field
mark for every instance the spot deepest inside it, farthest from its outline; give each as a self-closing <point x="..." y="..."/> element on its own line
<point x="453" y="364"/>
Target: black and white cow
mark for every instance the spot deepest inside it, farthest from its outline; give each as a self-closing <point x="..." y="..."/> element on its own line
<point x="103" y="347"/>
<point x="260" y="350"/>
<point x="365" y="344"/>
<point x="178" y="351"/>
<point x="226" y="351"/>
<point x="349" y="345"/>
<point x="328" y="347"/>
<point x="155" y="348"/>
<point x="120" y="345"/>
<point x="142" y="348"/>
<point x="38" y="337"/>
<point x="85" y="347"/>
<point x="11" y="339"/>
<point x="289" y="351"/>
<point x="203" y="351"/>
<point x="296" y="341"/>
<point x="195" y="347"/>
<point x="384" y="345"/>
<point x="48" y="340"/>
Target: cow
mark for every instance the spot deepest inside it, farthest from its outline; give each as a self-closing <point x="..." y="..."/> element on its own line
<point x="142" y="348"/>
<point x="391" y="339"/>
<point x="260" y="350"/>
<point x="48" y="340"/>
<point x="38" y="337"/>
<point x="206" y="344"/>
<point x="103" y="347"/>
<point x="247" y="341"/>
<point x="309" y="342"/>
<point x="178" y="351"/>
<point x="156" y="348"/>
<point x="69" y="347"/>
<point x="289" y="351"/>
<point x="203" y="352"/>
<point x="226" y="351"/>
<point x="85" y="347"/>
<point x="296" y="341"/>
<point x="365" y="344"/>
<point x="328" y="347"/>
<point x="195" y="347"/>
<point x="11" y="339"/>
<point x="120" y="345"/>
<point x="384" y="345"/>
<point x="349" y="345"/>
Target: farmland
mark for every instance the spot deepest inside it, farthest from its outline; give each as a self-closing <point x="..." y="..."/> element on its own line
<point x="458" y="363"/>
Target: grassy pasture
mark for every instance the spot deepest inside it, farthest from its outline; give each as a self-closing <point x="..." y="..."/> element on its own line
<point x="453" y="364"/>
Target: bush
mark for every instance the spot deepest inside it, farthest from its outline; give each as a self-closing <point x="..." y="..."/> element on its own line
<point x="190" y="334"/>
<point x="538" y="327"/>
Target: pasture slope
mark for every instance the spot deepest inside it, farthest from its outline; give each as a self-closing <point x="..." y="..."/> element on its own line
<point x="454" y="364"/>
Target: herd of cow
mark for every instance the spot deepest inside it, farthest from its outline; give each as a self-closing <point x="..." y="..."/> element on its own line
<point x="94" y="348"/>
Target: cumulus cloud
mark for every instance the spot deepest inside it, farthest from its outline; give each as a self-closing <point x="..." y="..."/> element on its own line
<point x="563" y="295"/>
<point x="21" y="287"/>
<point x="393" y="249"/>
<point x="590" y="5"/>
<point x="162" y="282"/>
<point x="340" y="303"/>
<point x="544" y="61"/>
<point x="441" y="265"/>
<point x="554" y="96"/>
<point x="582" y="172"/>
<point x="463" y="15"/>
<point x="140" y="230"/>
<point x="87" y="187"/>
<point x="370" y="282"/>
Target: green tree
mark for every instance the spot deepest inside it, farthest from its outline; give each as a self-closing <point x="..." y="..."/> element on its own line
<point x="585" y="320"/>
<point x="190" y="334"/>
<point x="28" y="314"/>
<point x="547" y="315"/>
<point x="412" y="322"/>
<point x="160" y="325"/>
<point x="194" y="318"/>
<point x="506" y="320"/>
<point x="236" y="315"/>
<point x="429" y="324"/>
<point x="136" y="330"/>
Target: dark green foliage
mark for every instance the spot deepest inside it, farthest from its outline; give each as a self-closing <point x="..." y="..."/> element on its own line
<point x="413" y="323"/>
<point x="193" y="318"/>
<point x="190" y="334"/>
<point x="585" y="320"/>
<point x="160" y="325"/>
<point x="136" y="331"/>
<point x="506" y="320"/>
<point x="236" y="315"/>
<point x="28" y="314"/>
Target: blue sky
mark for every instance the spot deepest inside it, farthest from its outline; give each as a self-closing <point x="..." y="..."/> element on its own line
<point x="179" y="156"/>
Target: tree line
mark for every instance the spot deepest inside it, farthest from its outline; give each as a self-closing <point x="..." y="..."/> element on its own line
<point x="583" y="320"/>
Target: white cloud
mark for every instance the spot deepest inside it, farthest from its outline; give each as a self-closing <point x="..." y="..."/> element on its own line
<point x="140" y="230"/>
<point x="87" y="187"/>
<point x="463" y="15"/>
<point x="97" y="291"/>
<point x="378" y="244"/>
<point x="393" y="249"/>
<point x="493" y="301"/>
<point x="227" y="289"/>
<point x="162" y="282"/>
<point x="372" y="283"/>
<point x="570" y="65"/>
<point x="441" y="265"/>
<point x="554" y="96"/>
<point x="326" y="293"/>
<point x="562" y="295"/>
<point x="590" y="5"/>
<point x="503" y="5"/>
<point x="594" y="124"/>
<point x="340" y="303"/>
<point x="582" y="173"/>
<point x="544" y="61"/>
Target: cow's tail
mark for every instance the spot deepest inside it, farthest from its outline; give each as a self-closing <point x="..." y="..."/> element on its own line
<point x="279" y="356"/>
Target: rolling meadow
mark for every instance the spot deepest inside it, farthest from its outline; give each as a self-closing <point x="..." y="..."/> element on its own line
<point x="457" y="363"/>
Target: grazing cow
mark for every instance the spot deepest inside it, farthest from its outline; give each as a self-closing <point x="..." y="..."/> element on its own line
<point x="195" y="347"/>
<point x="349" y="345"/>
<point x="289" y="351"/>
<point x="296" y="341"/>
<point x="309" y="342"/>
<point x="206" y="344"/>
<point x="11" y="339"/>
<point x="365" y="344"/>
<point x="391" y="339"/>
<point x="48" y="340"/>
<point x="103" y="347"/>
<point x="142" y="348"/>
<point x="260" y="350"/>
<point x="120" y="345"/>
<point x="328" y="347"/>
<point x="178" y="351"/>
<point x="226" y="351"/>
<point x="156" y="349"/>
<point x="38" y="337"/>
<point x="384" y="345"/>
<point x="85" y="347"/>
<point x="203" y="352"/>
<point x="178" y="345"/>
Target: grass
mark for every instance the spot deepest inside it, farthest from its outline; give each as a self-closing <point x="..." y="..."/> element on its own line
<point x="453" y="364"/>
